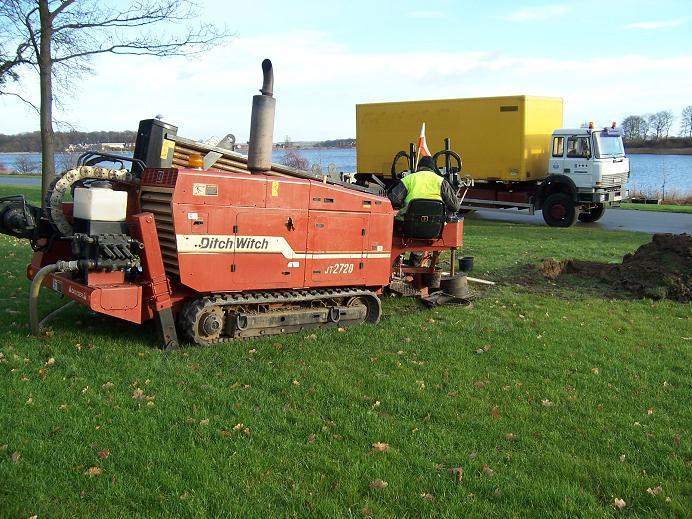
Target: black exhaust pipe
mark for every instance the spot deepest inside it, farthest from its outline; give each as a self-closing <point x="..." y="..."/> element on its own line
<point x="259" y="157"/>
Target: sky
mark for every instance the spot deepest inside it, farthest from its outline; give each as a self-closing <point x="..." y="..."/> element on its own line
<point x="606" y="58"/>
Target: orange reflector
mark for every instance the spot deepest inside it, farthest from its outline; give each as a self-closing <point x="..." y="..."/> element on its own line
<point x="590" y="125"/>
<point x="195" y="161"/>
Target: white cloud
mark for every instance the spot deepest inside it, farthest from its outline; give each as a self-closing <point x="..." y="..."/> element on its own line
<point x="533" y="14"/>
<point x="318" y="82"/>
<point x="664" y="24"/>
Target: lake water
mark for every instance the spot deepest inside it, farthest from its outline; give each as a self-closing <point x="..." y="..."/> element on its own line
<point x="649" y="172"/>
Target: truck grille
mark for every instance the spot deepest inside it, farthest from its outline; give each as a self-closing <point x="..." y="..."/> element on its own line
<point x="619" y="179"/>
<point x="157" y="200"/>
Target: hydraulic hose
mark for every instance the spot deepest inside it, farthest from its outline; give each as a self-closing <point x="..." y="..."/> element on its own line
<point x="33" y="296"/>
<point x="61" y="266"/>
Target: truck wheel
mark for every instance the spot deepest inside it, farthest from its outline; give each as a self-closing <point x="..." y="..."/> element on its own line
<point x="593" y="215"/>
<point x="559" y="210"/>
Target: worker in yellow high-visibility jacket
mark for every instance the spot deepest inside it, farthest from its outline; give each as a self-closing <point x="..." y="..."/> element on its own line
<point x="425" y="184"/>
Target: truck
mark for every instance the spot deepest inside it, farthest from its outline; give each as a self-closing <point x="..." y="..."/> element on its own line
<point x="515" y="153"/>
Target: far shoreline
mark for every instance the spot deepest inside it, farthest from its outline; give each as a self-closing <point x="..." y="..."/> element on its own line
<point x="658" y="151"/>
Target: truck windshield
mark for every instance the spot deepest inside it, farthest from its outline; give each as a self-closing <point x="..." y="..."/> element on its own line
<point x="608" y="146"/>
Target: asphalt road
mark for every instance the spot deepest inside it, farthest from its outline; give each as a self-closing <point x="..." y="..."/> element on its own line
<point x="614" y="219"/>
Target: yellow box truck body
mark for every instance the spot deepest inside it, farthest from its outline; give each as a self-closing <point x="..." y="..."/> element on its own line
<point x="498" y="138"/>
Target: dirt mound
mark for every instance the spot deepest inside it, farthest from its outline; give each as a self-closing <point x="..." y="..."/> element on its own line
<point x="661" y="269"/>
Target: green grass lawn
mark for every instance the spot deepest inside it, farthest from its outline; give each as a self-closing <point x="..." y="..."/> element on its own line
<point x="663" y="208"/>
<point x="576" y="399"/>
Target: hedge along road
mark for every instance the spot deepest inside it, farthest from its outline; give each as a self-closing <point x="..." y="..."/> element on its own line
<point x="613" y="219"/>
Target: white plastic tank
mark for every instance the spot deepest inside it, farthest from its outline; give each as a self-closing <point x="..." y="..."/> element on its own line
<point x="100" y="202"/>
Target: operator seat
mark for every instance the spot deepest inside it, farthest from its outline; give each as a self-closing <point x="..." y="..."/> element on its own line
<point x="423" y="219"/>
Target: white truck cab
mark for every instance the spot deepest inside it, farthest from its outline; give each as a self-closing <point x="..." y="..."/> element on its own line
<point x="591" y="166"/>
<point x="594" y="160"/>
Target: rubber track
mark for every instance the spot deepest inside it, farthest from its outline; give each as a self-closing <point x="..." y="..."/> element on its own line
<point x="189" y="315"/>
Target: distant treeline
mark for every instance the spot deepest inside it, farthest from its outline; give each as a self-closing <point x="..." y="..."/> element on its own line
<point x="337" y="143"/>
<point x="661" y="143"/>
<point x="31" y="142"/>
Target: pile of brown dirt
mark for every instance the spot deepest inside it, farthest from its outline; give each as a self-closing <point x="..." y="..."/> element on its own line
<point x="661" y="269"/>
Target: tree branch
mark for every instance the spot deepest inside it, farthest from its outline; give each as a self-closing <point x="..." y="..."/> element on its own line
<point x="148" y="48"/>
<point x="32" y="105"/>
<point x="60" y="9"/>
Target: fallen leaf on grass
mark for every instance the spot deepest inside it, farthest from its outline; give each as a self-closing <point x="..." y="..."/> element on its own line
<point x="241" y="427"/>
<point x="421" y="384"/>
<point x="50" y="362"/>
<point x="509" y="436"/>
<point x="457" y="472"/>
<point x="295" y="382"/>
<point x="487" y="470"/>
<point x="103" y="454"/>
<point x="546" y="403"/>
<point x="43" y="373"/>
<point x="93" y="471"/>
<point x="137" y="394"/>
<point x="380" y="447"/>
<point x="622" y="458"/>
<point x="204" y="422"/>
<point x="595" y="371"/>
<point x="30" y="401"/>
<point x="657" y="491"/>
<point x="649" y="411"/>
<point x="619" y="503"/>
<point x="495" y="412"/>
<point x="379" y="483"/>
<point x="428" y="497"/>
<point x="108" y="385"/>
<point x="16" y="456"/>
<point x="312" y="337"/>
<point x="341" y="329"/>
<point x="312" y="439"/>
<point x="365" y="511"/>
<point x="484" y="349"/>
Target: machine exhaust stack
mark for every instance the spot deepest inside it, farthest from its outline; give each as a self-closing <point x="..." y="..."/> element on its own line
<point x="262" y="124"/>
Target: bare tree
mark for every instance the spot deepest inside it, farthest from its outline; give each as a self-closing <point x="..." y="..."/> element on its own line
<point x="25" y="165"/>
<point x="644" y="126"/>
<point x="58" y="37"/>
<point x="657" y="124"/>
<point x="634" y="127"/>
<point x="686" y="122"/>
<point x="295" y="159"/>
<point x="665" y="118"/>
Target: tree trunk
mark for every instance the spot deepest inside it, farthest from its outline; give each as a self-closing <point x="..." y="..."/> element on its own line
<point x="45" y="64"/>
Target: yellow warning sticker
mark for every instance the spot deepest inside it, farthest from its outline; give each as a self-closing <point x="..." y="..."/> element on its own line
<point x="166" y="148"/>
<point x="275" y="188"/>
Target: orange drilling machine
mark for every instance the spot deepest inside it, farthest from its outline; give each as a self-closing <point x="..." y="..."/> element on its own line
<point x="215" y="245"/>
